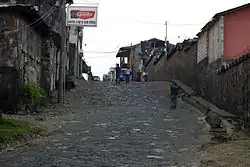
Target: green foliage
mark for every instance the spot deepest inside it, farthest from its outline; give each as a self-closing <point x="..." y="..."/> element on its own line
<point x="33" y="95"/>
<point x="12" y="130"/>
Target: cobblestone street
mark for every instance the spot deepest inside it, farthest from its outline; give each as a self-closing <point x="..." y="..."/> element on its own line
<point x="127" y="125"/>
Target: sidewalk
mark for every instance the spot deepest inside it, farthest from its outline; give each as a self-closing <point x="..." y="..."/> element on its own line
<point x="231" y="147"/>
<point x="50" y="119"/>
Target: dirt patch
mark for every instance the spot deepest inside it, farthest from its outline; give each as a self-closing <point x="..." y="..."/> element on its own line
<point x="229" y="154"/>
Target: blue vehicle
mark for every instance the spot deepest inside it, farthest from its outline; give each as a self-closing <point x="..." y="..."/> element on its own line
<point x="122" y="74"/>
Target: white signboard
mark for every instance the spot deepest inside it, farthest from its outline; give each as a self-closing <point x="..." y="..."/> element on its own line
<point x="73" y="39"/>
<point x="85" y="16"/>
<point x="73" y="30"/>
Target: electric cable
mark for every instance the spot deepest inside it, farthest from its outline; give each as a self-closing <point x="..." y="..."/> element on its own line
<point x="36" y="22"/>
<point x="104" y="52"/>
<point x="163" y="24"/>
<point x="31" y="25"/>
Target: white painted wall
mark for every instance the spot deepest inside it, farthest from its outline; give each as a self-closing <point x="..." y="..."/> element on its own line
<point x="202" y="49"/>
<point x="216" y="40"/>
<point x="211" y="42"/>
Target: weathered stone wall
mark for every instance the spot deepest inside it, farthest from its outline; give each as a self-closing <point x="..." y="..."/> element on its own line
<point x="136" y="61"/>
<point x="230" y="90"/>
<point x="33" y="55"/>
<point x="49" y="67"/>
<point x="53" y="19"/>
<point x="29" y="51"/>
<point x="151" y="70"/>
<point x="8" y="41"/>
<point x="21" y="49"/>
<point x="72" y="53"/>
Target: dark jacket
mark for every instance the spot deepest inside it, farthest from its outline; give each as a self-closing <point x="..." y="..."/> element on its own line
<point x="174" y="90"/>
<point x="118" y="71"/>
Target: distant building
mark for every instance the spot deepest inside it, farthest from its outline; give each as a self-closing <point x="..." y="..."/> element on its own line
<point x="75" y="60"/>
<point x="136" y="56"/>
<point x="144" y="53"/>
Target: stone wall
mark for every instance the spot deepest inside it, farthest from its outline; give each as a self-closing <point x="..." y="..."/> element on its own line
<point x="8" y="41"/>
<point x="136" y="61"/>
<point x="33" y="54"/>
<point x="230" y="90"/>
<point x="21" y="49"/>
<point x="29" y="51"/>
<point x="44" y="6"/>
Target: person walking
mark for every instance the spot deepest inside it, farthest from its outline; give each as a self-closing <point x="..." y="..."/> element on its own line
<point x="118" y="72"/>
<point x="174" y="93"/>
<point x="143" y="76"/>
<point x="146" y="77"/>
<point x="127" y="74"/>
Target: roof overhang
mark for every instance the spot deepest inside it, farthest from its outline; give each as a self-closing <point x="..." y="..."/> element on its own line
<point x="124" y="51"/>
<point x="69" y="2"/>
<point x="29" y="13"/>
<point x="218" y="15"/>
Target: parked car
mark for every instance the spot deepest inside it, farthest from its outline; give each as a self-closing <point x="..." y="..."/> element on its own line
<point x="96" y="78"/>
<point x="106" y="78"/>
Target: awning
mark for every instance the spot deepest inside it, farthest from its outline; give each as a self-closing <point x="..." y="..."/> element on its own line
<point x="124" y="52"/>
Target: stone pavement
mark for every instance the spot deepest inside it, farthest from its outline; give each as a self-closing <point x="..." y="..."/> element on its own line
<point x="122" y="126"/>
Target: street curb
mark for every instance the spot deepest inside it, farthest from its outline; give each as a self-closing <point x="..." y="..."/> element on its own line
<point x="190" y="103"/>
<point x="213" y="119"/>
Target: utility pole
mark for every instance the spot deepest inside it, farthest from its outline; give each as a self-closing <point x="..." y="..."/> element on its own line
<point x="166" y="38"/>
<point x="62" y="53"/>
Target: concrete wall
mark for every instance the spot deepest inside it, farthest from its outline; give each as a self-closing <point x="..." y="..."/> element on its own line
<point x="72" y="56"/>
<point x="31" y="54"/>
<point x="202" y="51"/>
<point x="216" y="40"/>
<point x="21" y="50"/>
<point x="30" y="45"/>
<point x="53" y="20"/>
<point x="236" y="32"/>
<point x="229" y="90"/>
<point x="211" y="42"/>
<point x="136" y="61"/>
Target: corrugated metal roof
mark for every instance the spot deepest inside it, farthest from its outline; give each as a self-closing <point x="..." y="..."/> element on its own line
<point x="124" y="51"/>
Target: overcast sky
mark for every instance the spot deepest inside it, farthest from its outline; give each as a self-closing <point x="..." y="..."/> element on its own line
<point x="122" y="22"/>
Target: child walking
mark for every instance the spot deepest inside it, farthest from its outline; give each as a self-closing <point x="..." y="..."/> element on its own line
<point x="174" y="93"/>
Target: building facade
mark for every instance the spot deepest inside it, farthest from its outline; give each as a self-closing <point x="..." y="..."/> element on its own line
<point x="75" y="55"/>
<point x="28" y="53"/>
<point x="224" y="37"/>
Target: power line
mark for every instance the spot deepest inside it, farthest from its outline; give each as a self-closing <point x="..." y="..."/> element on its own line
<point x="31" y="25"/>
<point x="163" y="24"/>
<point x="189" y="24"/>
<point x="104" y="52"/>
<point x="101" y="57"/>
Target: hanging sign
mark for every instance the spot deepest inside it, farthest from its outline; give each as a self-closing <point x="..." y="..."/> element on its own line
<point x="85" y="16"/>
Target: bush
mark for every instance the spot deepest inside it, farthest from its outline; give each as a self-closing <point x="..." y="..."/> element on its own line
<point x="33" y="96"/>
